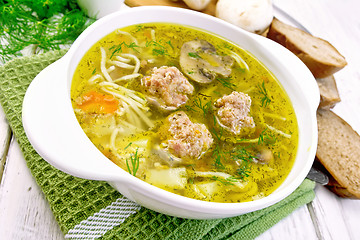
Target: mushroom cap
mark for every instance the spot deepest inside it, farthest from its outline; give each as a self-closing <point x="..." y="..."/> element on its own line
<point x="200" y="62"/>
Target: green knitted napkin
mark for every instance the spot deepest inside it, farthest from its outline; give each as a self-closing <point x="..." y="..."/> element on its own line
<point x="88" y="209"/>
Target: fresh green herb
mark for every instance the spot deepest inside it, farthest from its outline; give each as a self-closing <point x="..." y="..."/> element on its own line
<point x="41" y="25"/>
<point x="266" y="137"/>
<point x="226" y="82"/>
<point x="190" y="72"/>
<point x="265" y="100"/>
<point x="135" y="162"/>
<point x="198" y="105"/>
<point x="226" y="181"/>
<point x="94" y="71"/>
<point x="139" y="28"/>
<point x="219" y="134"/>
<point x="159" y="52"/>
<point x="119" y="48"/>
<point x="159" y="49"/>
<point x="205" y="108"/>
<point x="170" y="44"/>
<point x="191" y="180"/>
<point x="226" y="45"/>
<point x="190" y="108"/>
<point x="194" y="55"/>
<point x="128" y="145"/>
<point x="242" y="156"/>
<point x="218" y="155"/>
<point x="243" y="171"/>
<point x="240" y="153"/>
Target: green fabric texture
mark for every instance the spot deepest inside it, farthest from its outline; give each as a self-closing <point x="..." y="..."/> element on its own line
<point x="72" y="199"/>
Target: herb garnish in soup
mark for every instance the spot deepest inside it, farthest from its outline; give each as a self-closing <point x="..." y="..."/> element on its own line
<point x="186" y="111"/>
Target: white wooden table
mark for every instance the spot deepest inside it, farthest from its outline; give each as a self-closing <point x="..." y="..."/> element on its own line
<point x="25" y="214"/>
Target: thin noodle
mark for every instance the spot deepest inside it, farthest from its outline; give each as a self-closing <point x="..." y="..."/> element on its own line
<point x="123" y="90"/>
<point x="121" y="59"/>
<point x="136" y="119"/>
<point x="134" y="105"/>
<point x="103" y="67"/>
<point x="130" y="101"/>
<point x="278" y="131"/>
<point x="135" y="58"/>
<point x="239" y="60"/>
<point x="110" y="69"/>
<point x="121" y="64"/>
<point x="221" y="175"/>
<point x="128" y="77"/>
<point x="127" y="34"/>
<point x="95" y="77"/>
<point x="113" y="138"/>
<point x="276" y="116"/>
<point x="153" y="35"/>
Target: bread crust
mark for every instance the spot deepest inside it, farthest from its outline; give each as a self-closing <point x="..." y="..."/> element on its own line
<point x="329" y="94"/>
<point x="339" y="190"/>
<point x="287" y="36"/>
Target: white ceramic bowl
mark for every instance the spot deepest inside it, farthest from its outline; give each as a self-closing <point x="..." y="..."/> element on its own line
<point x="53" y="130"/>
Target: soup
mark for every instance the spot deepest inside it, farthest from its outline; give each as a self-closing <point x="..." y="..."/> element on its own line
<point x="187" y="111"/>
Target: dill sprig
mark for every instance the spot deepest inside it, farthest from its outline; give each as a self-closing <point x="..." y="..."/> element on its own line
<point x="218" y="155"/>
<point x="158" y="48"/>
<point x="135" y="162"/>
<point x="265" y="100"/>
<point x="266" y="137"/>
<point x="119" y="48"/>
<point x="194" y="55"/>
<point x="41" y="24"/>
<point x="204" y="107"/>
<point x="226" y="82"/>
<point x="139" y="28"/>
<point x="199" y="105"/>
<point x="241" y="155"/>
<point x="225" y="181"/>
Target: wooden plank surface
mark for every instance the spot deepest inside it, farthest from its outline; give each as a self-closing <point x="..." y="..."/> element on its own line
<point x="5" y="135"/>
<point x="136" y="3"/>
<point x="24" y="211"/>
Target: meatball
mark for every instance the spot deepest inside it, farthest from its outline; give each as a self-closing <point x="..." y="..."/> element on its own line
<point x="168" y="85"/>
<point x="187" y="139"/>
<point x="233" y="112"/>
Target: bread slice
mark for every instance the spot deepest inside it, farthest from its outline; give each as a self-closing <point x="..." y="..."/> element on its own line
<point x="339" y="150"/>
<point x="318" y="55"/>
<point x="329" y="94"/>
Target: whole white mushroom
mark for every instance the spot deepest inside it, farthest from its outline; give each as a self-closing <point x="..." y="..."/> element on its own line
<point x="252" y="15"/>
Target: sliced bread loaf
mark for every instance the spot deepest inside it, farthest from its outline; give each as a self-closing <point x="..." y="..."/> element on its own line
<point x="339" y="150"/>
<point x="318" y="55"/>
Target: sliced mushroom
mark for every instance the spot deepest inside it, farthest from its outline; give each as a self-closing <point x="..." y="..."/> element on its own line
<point x="265" y="156"/>
<point x="166" y="156"/>
<point x="200" y="62"/>
<point x="159" y="103"/>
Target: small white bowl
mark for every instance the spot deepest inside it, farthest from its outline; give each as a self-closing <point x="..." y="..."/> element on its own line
<point x="55" y="133"/>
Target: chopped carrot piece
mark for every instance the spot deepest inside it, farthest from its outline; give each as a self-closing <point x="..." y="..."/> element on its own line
<point x="98" y="102"/>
